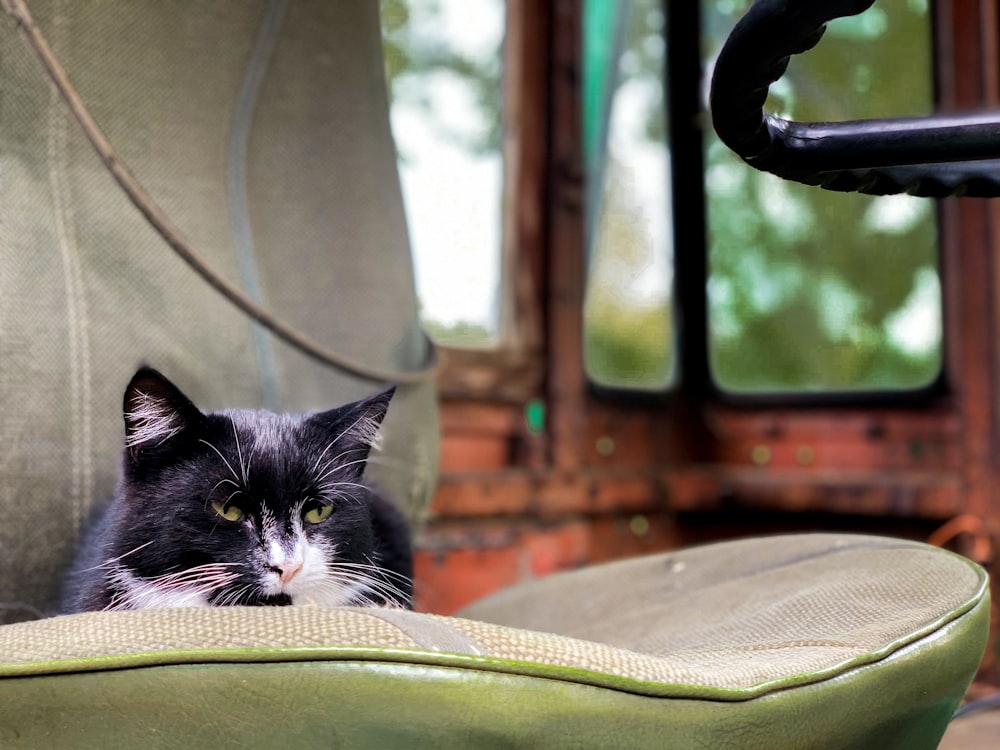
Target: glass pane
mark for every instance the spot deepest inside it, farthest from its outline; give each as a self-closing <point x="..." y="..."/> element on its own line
<point x="443" y="62"/>
<point x="628" y="321"/>
<point x="810" y="290"/>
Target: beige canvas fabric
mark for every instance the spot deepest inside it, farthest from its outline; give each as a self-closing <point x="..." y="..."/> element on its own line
<point x="259" y="120"/>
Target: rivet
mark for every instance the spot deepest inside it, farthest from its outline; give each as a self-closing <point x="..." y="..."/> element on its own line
<point x="761" y="455"/>
<point x="605" y="446"/>
<point x="639" y="525"/>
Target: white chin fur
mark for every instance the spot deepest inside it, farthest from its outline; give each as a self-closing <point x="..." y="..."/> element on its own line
<point x="140" y="594"/>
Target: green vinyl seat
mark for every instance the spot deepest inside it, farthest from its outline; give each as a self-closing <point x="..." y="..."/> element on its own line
<point x="799" y="642"/>
<point x="810" y="641"/>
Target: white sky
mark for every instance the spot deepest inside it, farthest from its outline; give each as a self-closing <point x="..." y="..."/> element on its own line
<point x="648" y="165"/>
<point x="453" y="199"/>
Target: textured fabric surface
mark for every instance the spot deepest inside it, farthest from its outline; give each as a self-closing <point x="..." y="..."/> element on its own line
<point x="745" y="616"/>
<point x="88" y="291"/>
<point x="789" y="597"/>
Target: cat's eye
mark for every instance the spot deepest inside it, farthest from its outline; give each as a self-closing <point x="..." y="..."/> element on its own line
<point x="229" y="512"/>
<point x="317" y="513"/>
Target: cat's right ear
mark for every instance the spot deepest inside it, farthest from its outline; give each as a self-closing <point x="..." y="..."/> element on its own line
<point x="155" y="412"/>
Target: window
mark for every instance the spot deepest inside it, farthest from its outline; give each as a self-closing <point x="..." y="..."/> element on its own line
<point x="813" y="291"/>
<point x="443" y="62"/>
<point x="808" y="291"/>
<point x="628" y="320"/>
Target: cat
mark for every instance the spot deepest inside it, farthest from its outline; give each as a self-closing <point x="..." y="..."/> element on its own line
<point x="242" y="508"/>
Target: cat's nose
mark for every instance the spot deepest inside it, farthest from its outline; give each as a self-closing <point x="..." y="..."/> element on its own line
<point x="288" y="570"/>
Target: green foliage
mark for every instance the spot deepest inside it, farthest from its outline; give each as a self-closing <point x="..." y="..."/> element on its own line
<point x="414" y="49"/>
<point x="808" y="288"/>
<point x="629" y="347"/>
<point x="460" y="334"/>
<point x="628" y="339"/>
<point x="443" y="62"/>
<point x="644" y="57"/>
<point x="628" y="335"/>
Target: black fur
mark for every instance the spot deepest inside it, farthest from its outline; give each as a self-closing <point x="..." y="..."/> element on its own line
<point x="274" y="469"/>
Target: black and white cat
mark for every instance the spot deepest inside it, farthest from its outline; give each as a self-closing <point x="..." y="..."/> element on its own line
<point x="242" y="508"/>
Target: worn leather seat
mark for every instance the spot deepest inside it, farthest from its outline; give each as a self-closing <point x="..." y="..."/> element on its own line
<point x="801" y="642"/>
<point x="814" y="641"/>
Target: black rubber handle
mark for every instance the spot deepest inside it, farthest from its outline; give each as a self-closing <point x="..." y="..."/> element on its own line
<point x="934" y="156"/>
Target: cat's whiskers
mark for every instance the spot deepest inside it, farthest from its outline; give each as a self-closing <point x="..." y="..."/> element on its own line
<point x="333" y="460"/>
<point x="233" y="597"/>
<point x="191" y="584"/>
<point x="198" y="571"/>
<point x="332" y="466"/>
<point x="372" y="595"/>
<point x="356" y="577"/>
<point x="406" y="580"/>
<point x="244" y="468"/>
<point x="332" y="486"/>
<point x="332" y="496"/>
<point x="111" y="561"/>
<point x="331" y="589"/>
<point x="330" y="592"/>
<point x="391" y="594"/>
<point x="331" y="492"/>
<point x="224" y="459"/>
<point x="348" y="591"/>
<point x="220" y="483"/>
<point x="203" y="578"/>
<point x="391" y="463"/>
<point x="367" y="435"/>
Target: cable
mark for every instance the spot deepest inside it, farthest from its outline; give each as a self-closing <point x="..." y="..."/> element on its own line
<point x="141" y="199"/>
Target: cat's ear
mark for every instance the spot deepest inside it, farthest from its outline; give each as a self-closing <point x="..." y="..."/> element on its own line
<point x="367" y="416"/>
<point x="155" y="411"/>
<point x="355" y="426"/>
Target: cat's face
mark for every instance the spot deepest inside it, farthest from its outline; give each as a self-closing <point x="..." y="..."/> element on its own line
<point x="245" y="507"/>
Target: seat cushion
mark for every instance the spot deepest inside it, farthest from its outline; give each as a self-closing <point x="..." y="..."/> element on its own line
<point x="817" y="641"/>
<point x="747" y="616"/>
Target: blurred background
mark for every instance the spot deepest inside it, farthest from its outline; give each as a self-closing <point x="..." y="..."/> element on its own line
<point x="649" y="343"/>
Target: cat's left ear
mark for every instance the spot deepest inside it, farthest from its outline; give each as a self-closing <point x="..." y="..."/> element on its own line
<point x="358" y="422"/>
<point x="155" y="411"/>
